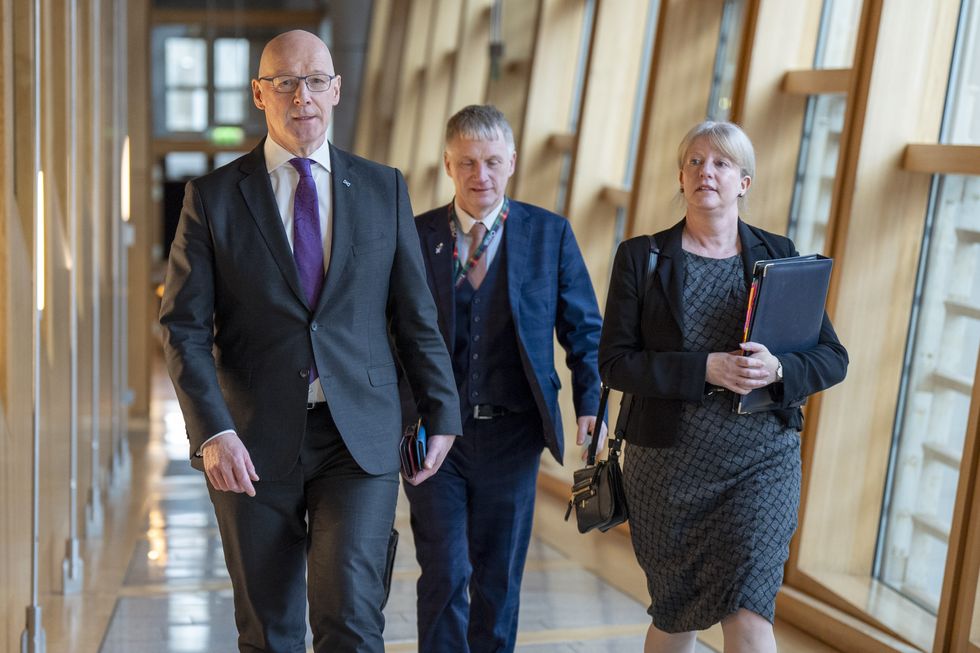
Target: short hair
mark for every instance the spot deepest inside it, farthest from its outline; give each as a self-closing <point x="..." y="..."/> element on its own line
<point x="483" y="122"/>
<point x="726" y="137"/>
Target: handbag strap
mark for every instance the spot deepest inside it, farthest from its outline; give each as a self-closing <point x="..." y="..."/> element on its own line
<point x="651" y="267"/>
<point x="626" y="409"/>
<point x="599" y="419"/>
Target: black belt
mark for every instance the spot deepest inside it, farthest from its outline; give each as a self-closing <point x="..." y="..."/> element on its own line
<point x="313" y="405"/>
<point x="488" y="411"/>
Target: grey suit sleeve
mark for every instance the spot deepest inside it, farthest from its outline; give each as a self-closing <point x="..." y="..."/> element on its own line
<point x="187" y="318"/>
<point x="414" y="327"/>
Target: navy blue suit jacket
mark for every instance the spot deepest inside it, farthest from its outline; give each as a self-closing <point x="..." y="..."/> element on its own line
<point x="550" y="293"/>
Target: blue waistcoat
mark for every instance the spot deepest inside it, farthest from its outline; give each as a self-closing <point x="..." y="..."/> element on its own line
<point x="486" y="358"/>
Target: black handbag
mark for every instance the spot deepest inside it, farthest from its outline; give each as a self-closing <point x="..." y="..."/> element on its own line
<point x="597" y="489"/>
<point x="598" y="496"/>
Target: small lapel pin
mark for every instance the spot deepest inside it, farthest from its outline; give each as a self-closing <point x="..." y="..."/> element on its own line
<point x="439" y="248"/>
<point x="347" y="183"/>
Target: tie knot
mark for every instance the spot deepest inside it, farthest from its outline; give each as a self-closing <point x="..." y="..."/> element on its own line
<point x="302" y="166"/>
<point x="478" y="231"/>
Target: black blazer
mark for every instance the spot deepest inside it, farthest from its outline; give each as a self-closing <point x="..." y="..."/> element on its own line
<point x="239" y="336"/>
<point x="640" y="353"/>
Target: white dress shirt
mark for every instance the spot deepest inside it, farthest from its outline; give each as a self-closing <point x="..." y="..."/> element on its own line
<point x="466" y="222"/>
<point x="285" y="178"/>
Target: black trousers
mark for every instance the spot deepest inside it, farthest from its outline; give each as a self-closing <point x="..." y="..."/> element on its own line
<point x="321" y="533"/>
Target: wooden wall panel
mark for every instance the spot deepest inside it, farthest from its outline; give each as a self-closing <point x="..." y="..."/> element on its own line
<point x="471" y="71"/>
<point x="10" y="582"/>
<point x="412" y="85"/>
<point x="602" y="149"/>
<point x="958" y="609"/>
<point x="15" y="436"/>
<point x="144" y="218"/>
<point x="15" y="428"/>
<point x="549" y="102"/>
<point x="83" y="262"/>
<point x="687" y="37"/>
<point x="600" y="158"/>
<point x="54" y="334"/>
<point x="378" y="72"/>
<point x="17" y="199"/>
<point x="427" y="163"/>
<point x="6" y="183"/>
<point x="772" y="118"/>
<point x="882" y="221"/>
<point x="508" y="91"/>
<point x="879" y="211"/>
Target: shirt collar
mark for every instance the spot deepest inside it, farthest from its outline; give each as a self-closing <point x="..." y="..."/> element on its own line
<point x="466" y="221"/>
<point x="277" y="156"/>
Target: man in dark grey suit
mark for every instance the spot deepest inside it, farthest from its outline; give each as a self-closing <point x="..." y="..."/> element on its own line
<point x="286" y="373"/>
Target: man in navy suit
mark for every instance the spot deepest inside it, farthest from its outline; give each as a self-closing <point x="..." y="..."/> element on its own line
<point x="506" y="277"/>
<point x="290" y="269"/>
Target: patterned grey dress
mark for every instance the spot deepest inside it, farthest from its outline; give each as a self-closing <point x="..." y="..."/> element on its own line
<point x="712" y="517"/>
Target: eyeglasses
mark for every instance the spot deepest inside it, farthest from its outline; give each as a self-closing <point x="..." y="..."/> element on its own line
<point x="317" y="82"/>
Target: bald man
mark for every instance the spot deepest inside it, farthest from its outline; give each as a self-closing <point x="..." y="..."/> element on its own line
<point x="290" y="268"/>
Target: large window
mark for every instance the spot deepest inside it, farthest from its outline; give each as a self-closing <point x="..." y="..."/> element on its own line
<point x="822" y="128"/>
<point x="944" y="339"/>
<point x="838" y="32"/>
<point x="819" y="153"/>
<point x="231" y="81"/>
<point x="727" y="56"/>
<point x="186" y="66"/>
<point x="202" y="85"/>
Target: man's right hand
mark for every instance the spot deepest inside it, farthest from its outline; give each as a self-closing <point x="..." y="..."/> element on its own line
<point x="228" y="465"/>
<point x="438" y="449"/>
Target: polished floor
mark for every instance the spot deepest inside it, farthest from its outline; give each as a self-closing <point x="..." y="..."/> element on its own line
<point x="156" y="579"/>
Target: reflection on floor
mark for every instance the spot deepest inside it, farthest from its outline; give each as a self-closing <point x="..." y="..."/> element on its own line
<point x="175" y="595"/>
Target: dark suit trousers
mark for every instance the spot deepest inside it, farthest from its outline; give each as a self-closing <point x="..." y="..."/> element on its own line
<point x="323" y="531"/>
<point x="472" y="527"/>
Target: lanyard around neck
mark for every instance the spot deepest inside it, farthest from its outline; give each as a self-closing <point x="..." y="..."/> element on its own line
<point x="461" y="269"/>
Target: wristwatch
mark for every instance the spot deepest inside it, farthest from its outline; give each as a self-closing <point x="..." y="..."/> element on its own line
<point x="779" y="371"/>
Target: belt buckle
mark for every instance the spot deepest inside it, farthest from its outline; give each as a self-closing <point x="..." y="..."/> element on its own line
<point x="483" y="411"/>
<point x="310" y="405"/>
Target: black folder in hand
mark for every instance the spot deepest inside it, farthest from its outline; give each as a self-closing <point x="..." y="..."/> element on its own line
<point x="785" y="313"/>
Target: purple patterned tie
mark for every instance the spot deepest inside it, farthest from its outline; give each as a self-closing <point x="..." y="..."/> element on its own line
<point x="307" y="240"/>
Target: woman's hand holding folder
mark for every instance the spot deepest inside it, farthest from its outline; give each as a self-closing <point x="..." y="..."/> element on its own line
<point x="743" y="370"/>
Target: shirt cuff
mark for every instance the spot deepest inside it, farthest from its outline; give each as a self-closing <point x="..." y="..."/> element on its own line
<point x="199" y="453"/>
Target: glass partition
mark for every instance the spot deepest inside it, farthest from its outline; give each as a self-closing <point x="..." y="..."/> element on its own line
<point x="819" y="152"/>
<point x="822" y="128"/>
<point x="730" y="38"/>
<point x="941" y="355"/>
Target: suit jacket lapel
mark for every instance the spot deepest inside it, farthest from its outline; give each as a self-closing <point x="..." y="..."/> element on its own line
<point x="257" y="191"/>
<point x="517" y="240"/>
<point x="343" y="195"/>
<point x="753" y="249"/>
<point x="671" y="270"/>
<point x="437" y="250"/>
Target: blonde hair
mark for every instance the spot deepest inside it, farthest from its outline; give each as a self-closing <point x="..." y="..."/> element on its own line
<point x="726" y="137"/>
